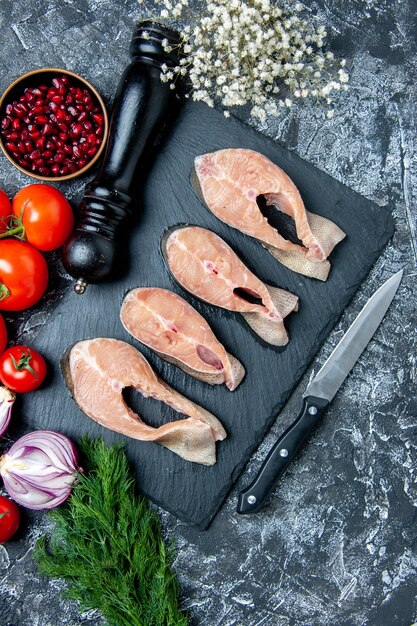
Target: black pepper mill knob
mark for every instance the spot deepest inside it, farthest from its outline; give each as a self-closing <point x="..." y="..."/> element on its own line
<point x="144" y="105"/>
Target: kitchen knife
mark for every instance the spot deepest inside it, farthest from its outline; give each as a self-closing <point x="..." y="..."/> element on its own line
<point x="319" y="393"/>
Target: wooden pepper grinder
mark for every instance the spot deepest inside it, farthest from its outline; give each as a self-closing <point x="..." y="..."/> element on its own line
<point x="144" y="105"/>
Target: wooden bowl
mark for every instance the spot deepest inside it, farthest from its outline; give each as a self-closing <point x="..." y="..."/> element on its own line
<point x="34" y="79"/>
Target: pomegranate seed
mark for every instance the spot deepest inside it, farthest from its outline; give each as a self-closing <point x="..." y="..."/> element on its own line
<point x="41" y="119"/>
<point x="92" y="151"/>
<point x="72" y="111"/>
<point x="88" y="125"/>
<point x="24" y="163"/>
<point x="40" y="143"/>
<point x="77" y="129"/>
<point x="34" y="155"/>
<point x="55" y="170"/>
<point x="62" y="127"/>
<point x="56" y="82"/>
<point x="9" y="109"/>
<point x="48" y="154"/>
<point x="59" y="157"/>
<point x="5" y="123"/>
<point x="82" y="116"/>
<point x="61" y="116"/>
<point x="34" y="133"/>
<point x="67" y="149"/>
<point x="24" y="134"/>
<point x="91" y="139"/>
<point x="57" y="99"/>
<point x="82" y="163"/>
<point x="13" y="136"/>
<point x="21" y="147"/>
<point x="39" y="162"/>
<point x="29" y="146"/>
<point x="47" y="129"/>
<point x="43" y="87"/>
<point x="98" y="118"/>
<point x="36" y="91"/>
<point x="44" y="171"/>
<point x="63" y="136"/>
<point x="20" y="109"/>
<point x="76" y="152"/>
<point x="63" y="170"/>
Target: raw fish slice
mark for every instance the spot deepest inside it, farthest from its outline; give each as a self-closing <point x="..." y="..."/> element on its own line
<point x="207" y="267"/>
<point x="97" y="371"/>
<point x="170" y="326"/>
<point x="230" y="182"/>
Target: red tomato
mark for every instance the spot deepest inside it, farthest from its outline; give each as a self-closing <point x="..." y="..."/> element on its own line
<point x="9" y="519"/>
<point x="5" y="211"/>
<point x="23" y="275"/>
<point x="3" y="335"/>
<point x="46" y="216"/>
<point x="22" y="369"/>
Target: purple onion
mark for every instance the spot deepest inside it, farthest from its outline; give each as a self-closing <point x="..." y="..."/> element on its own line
<point x="39" y="470"/>
<point x="7" y="399"/>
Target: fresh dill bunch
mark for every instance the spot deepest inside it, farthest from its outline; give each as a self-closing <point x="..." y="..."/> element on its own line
<point x="106" y="543"/>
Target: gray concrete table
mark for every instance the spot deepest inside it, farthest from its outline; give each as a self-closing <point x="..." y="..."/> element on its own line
<point x="337" y="543"/>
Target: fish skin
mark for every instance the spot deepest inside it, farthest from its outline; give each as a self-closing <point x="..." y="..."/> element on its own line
<point x="96" y="372"/>
<point x="229" y="182"/>
<point x="214" y="277"/>
<point x="170" y="326"/>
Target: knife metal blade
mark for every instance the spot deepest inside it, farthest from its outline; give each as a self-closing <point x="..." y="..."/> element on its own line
<point x="319" y="393"/>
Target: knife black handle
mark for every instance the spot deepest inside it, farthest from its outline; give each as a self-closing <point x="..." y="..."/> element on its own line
<point x="253" y="497"/>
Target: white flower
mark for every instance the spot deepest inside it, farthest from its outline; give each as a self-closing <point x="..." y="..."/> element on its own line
<point x="343" y="76"/>
<point x="239" y="52"/>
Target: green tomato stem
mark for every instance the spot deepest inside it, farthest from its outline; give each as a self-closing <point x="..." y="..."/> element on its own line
<point x="4" y="292"/>
<point x="24" y="363"/>
<point x="14" y="231"/>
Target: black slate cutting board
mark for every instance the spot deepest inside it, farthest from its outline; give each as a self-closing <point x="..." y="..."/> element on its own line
<point x="194" y="492"/>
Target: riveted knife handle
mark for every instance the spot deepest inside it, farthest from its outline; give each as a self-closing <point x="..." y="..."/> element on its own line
<point x="253" y="497"/>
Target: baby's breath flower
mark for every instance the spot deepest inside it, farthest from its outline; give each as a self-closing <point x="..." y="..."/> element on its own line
<point x="239" y="52"/>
